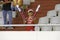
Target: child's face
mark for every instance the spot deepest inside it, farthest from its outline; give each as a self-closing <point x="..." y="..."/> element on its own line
<point x="30" y="13"/>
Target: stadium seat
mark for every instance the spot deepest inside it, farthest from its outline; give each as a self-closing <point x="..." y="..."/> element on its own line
<point x="55" y="20"/>
<point x="51" y="13"/>
<point x="56" y="28"/>
<point x="59" y="13"/>
<point x="1" y="18"/>
<point x="1" y="21"/>
<point x="37" y="28"/>
<point x="44" y="20"/>
<point x="57" y="7"/>
<point x="14" y="14"/>
<point x="26" y="2"/>
<point x="46" y="28"/>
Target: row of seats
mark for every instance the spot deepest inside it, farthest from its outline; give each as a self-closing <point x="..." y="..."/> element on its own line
<point x="53" y="17"/>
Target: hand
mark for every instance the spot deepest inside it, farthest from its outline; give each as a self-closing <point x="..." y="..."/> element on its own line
<point x="18" y="8"/>
<point x="37" y="8"/>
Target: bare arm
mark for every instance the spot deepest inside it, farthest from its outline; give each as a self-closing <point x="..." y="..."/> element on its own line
<point x="21" y="12"/>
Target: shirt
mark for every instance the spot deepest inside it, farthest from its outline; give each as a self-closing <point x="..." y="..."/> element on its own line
<point x="6" y="6"/>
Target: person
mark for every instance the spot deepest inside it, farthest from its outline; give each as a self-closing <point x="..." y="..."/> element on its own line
<point x="7" y="10"/>
<point x="29" y="20"/>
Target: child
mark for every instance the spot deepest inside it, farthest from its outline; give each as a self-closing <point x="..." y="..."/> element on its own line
<point x="30" y="20"/>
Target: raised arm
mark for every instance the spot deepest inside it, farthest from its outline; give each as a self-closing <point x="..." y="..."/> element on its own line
<point x="37" y="9"/>
<point x="34" y="14"/>
<point x="21" y="12"/>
